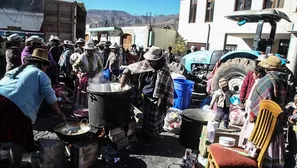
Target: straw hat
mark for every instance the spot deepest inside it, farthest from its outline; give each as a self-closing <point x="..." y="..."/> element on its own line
<point x="272" y="63"/>
<point x="89" y="45"/>
<point x="262" y="57"/>
<point x="223" y="83"/>
<point x="154" y="54"/>
<point x="14" y="38"/>
<point x="36" y="39"/>
<point x="39" y="54"/>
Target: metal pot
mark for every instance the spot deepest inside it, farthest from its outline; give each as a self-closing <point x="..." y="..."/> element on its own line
<point x="73" y="131"/>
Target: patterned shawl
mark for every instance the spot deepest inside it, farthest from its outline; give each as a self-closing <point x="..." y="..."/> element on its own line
<point x="273" y="86"/>
<point x="164" y="84"/>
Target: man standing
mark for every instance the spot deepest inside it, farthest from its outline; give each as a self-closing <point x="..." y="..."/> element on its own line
<point x="170" y="56"/>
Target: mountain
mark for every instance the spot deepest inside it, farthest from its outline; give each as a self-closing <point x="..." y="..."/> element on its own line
<point x="103" y="18"/>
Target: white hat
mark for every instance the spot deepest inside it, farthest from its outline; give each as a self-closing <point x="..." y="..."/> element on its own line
<point x="193" y="47"/>
<point x="35" y="39"/>
<point x="101" y="43"/>
<point x="262" y="57"/>
<point x="68" y="42"/>
<point x="52" y="37"/>
<point x="114" y="46"/>
<point x="154" y="54"/>
<point x="89" y="45"/>
<point x="14" y="37"/>
<point x="80" y="40"/>
<point x="73" y="58"/>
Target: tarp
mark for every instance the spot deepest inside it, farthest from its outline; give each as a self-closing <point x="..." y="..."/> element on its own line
<point x="35" y="6"/>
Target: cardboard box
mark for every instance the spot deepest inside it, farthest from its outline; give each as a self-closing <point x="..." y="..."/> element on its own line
<point x="203" y="147"/>
<point x="204" y="132"/>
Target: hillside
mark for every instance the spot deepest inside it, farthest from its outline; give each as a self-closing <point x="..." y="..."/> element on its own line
<point x="102" y="18"/>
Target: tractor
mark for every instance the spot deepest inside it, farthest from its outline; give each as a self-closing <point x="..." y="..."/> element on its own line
<point x="206" y="68"/>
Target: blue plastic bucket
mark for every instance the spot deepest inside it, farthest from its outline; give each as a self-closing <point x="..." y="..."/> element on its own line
<point x="106" y="73"/>
<point x="183" y="89"/>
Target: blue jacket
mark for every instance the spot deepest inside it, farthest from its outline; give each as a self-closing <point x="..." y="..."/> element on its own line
<point x="28" y="90"/>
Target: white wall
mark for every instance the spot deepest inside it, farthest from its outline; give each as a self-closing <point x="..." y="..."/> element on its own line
<point x="164" y="37"/>
<point x="28" y="21"/>
<point x="197" y="32"/>
<point x="139" y="34"/>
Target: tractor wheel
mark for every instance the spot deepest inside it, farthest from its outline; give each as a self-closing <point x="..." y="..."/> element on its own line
<point x="234" y="70"/>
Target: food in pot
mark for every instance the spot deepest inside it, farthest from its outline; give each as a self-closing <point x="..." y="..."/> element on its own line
<point x="74" y="131"/>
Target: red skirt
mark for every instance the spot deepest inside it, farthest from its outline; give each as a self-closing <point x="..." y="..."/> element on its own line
<point x="14" y="125"/>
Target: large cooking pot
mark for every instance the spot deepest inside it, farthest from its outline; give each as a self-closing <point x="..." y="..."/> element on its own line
<point x="73" y="131"/>
<point x="109" y="106"/>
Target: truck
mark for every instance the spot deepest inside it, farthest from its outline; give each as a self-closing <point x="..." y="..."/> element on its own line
<point x="206" y="68"/>
<point x="64" y="19"/>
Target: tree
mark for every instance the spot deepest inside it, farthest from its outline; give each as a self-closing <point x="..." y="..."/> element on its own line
<point x="179" y="47"/>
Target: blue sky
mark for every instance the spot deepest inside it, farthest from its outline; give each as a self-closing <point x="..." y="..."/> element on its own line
<point x="139" y="7"/>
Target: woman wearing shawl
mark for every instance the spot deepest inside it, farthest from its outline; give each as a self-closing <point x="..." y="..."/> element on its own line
<point x="258" y="73"/>
<point x="273" y="86"/>
<point x="157" y="88"/>
<point x="86" y="66"/>
<point x="34" y="42"/>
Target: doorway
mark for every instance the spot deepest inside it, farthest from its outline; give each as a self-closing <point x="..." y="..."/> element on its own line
<point x="127" y="41"/>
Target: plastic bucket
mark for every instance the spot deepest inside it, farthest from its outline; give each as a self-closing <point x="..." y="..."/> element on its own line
<point x="106" y="73"/>
<point x="183" y="89"/>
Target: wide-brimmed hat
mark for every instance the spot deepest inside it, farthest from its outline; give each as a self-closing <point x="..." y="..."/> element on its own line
<point x="52" y="37"/>
<point x="89" y="45"/>
<point x="272" y="63"/>
<point x="100" y="44"/>
<point x="68" y="42"/>
<point x="36" y="39"/>
<point x="80" y="40"/>
<point x="154" y="54"/>
<point x="14" y="38"/>
<point x="114" y="46"/>
<point x="223" y="82"/>
<point x="39" y="54"/>
<point x="262" y="57"/>
<point x="133" y="53"/>
<point x="108" y="43"/>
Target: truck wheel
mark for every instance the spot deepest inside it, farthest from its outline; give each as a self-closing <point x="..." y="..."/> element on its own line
<point x="234" y="70"/>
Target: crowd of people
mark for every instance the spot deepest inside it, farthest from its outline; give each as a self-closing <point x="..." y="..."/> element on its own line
<point x="33" y="70"/>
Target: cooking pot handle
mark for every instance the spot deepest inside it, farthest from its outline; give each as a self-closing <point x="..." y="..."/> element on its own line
<point x="86" y="120"/>
<point x="92" y="96"/>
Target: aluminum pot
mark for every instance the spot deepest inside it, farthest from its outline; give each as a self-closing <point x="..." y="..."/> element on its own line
<point x="73" y="131"/>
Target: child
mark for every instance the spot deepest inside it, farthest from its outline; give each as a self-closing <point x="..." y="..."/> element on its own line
<point x="222" y="98"/>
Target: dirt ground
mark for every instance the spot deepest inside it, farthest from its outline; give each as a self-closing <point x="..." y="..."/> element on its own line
<point x="167" y="151"/>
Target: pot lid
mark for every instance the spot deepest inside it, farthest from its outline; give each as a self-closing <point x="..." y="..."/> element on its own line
<point x="199" y="115"/>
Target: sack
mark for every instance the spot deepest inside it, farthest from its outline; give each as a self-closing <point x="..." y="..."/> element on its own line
<point x="172" y="121"/>
<point x="212" y="127"/>
<point x="236" y="115"/>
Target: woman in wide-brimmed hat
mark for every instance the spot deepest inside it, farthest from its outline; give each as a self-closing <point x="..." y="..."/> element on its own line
<point x="86" y="66"/>
<point x="21" y="93"/>
<point x="13" y="52"/>
<point x="113" y="61"/>
<point x="273" y="86"/>
<point x="79" y="44"/>
<point x="156" y="85"/>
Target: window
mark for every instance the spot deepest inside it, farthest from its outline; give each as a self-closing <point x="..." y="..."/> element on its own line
<point x="273" y="4"/>
<point x="243" y="5"/>
<point x="193" y="10"/>
<point x="231" y="47"/>
<point x="209" y="10"/>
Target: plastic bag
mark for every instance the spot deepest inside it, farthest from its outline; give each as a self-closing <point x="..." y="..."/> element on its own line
<point x="212" y="127"/>
<point x="236" y="116"/>
<point x="173" y="119"/>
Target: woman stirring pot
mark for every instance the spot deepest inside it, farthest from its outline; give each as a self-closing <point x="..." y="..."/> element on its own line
<point x="86" y="66"/>
<point x="157" y="88"/>
<point x="21" y="92"/>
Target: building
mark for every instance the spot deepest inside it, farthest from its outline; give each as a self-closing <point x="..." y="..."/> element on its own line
<point x="202" y="18"/>
<point x="140" y="35"/>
